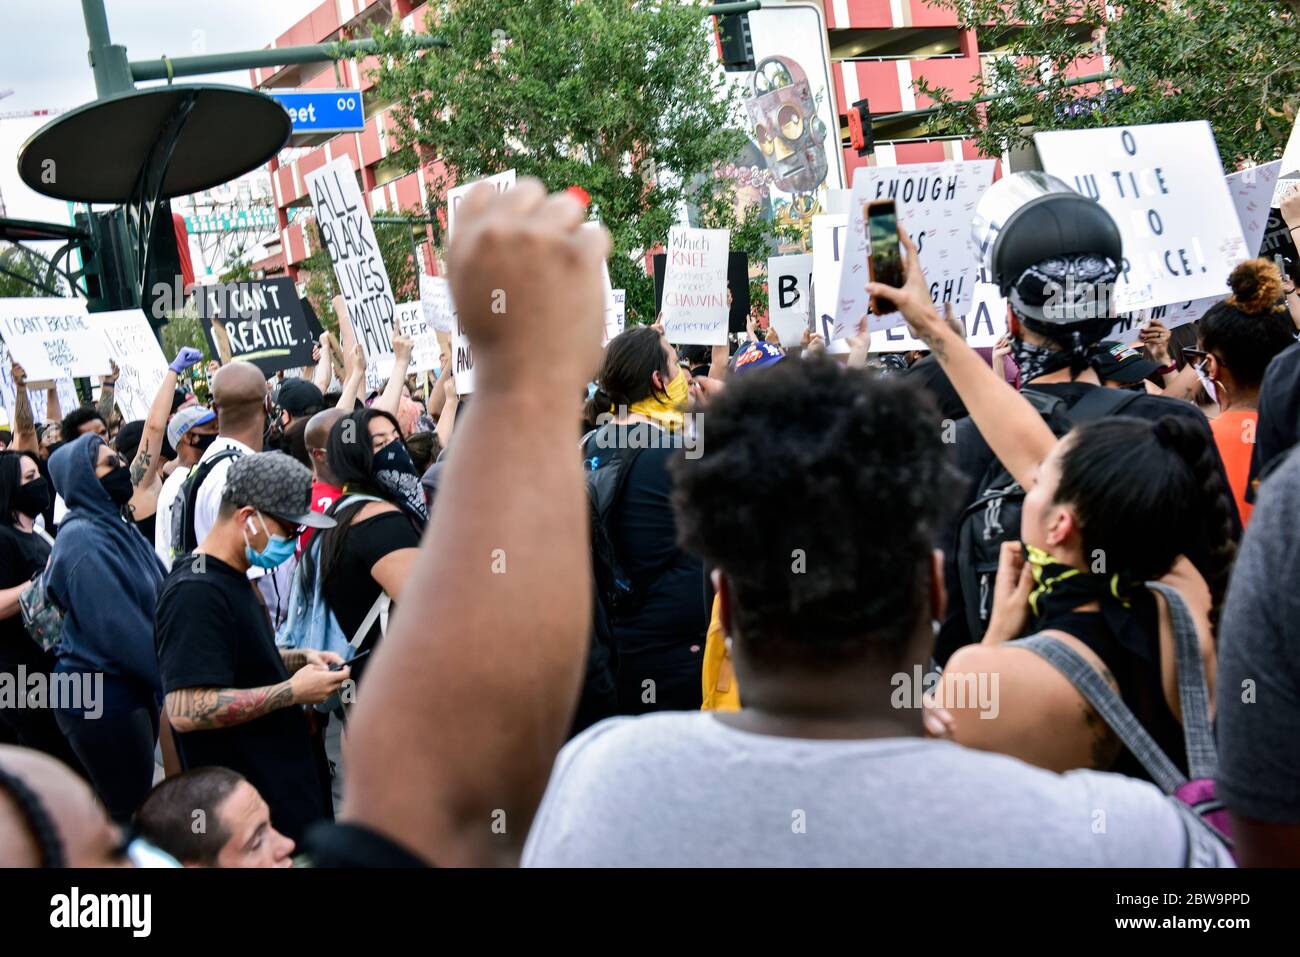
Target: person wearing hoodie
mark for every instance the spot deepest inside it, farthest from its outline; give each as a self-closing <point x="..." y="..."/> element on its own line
<point x="105" y="577"/>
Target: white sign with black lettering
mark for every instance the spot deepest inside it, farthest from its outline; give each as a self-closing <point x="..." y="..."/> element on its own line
<point x="435" y="297"/>
<point x="52" y="338"/>
<point x="695" y="306"/>
<point x="140" y="361"/>
<point x="1164" y="186"/>
<point x="349" y="237"/>
<point x="36" y="397"/>
<point x="789" y="295"/>
<point x="501" y="182"/>
<point x="424" y="338"/>
<point x="616" y="317"/>
<point x="829" y="234"/>
<point x="985" y="323"/>
<point x="462" y="359"/>
<point x="935" y="203"/>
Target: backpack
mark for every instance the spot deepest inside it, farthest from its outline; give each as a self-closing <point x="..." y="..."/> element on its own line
<point x="311" y="623"/>
<point x="1194" y="793"/>
<point x="185" y="537"/>
<point x="608" y="467"/>
<point x="994" y="516"/>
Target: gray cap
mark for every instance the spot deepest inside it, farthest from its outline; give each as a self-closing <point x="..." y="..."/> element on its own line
<point x="186" y="419"/>
<point x="276" y="485"/>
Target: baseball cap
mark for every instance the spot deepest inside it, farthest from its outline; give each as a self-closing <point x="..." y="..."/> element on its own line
<point x="1120" y="363"/>
<point x="186" y="419"/>
<point x="276" y="485"/>
<point x="299" y="397"/>
<point x="756" y="355"/>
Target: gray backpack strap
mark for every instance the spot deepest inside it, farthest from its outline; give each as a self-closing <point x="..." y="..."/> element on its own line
<point x="1109" y="705"/>
<point x="1193" y="691"/>
<point x="378" y="609"/>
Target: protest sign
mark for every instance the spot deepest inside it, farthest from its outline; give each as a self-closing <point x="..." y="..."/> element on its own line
<point x="501" y="181"/>
<point x="829" y="234"/>
<point x="349" y="237"/>
<point x="985" y="323"/>
<point x="462" y="359"/>
<point x="616" y="315"/>
<point x="424" y="355"/>
<point x="52" y="339"/>
<point x="1251" y="190"/>
<point x="789" y="296"/>
<point x="737" y="287"/>
<point x="313" y="321"/>
<point x="695" y="309"/>
<point x="140" y="362"/>
<point x="1289" y="168"/>
<point x="935" y="203"/>
<point x="264" y="322"/>
<point x="1163" y="184"/>
<point x="435" y="298"/>
<point x="36" y="397"/>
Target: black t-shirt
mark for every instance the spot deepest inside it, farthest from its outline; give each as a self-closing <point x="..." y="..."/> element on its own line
<point x="1278" y="428"/>
<point x="212" y="633"/>
<point x="22" y="555"/>
<point x="350" y="590"/>
<point x="973" y="460"/>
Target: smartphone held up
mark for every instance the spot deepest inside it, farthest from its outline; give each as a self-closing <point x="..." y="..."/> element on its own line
<point x="884" y="251"/>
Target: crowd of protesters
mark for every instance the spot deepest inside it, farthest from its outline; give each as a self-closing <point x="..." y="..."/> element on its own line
<point x="785" y="607"/>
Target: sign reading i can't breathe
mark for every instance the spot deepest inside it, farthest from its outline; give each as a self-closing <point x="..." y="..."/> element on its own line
<point x="264" y="321"/>
<point x="1164" y="186"/>
<point x="349" y="238"/>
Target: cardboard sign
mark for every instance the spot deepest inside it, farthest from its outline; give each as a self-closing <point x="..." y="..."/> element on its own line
<point x="1251" y="190"/>
<point x="66" y="391"/>
<point x="737" y="286"/>
<point x="789" y="296"/>
<point x="349" y="237"/>
<point x="264" y="321"/>
<point x="424" y="357"/>
<point x="140" y="361"/>
<point x="695" y="310"/>
<point x="935" y="203"/>
<point x="435" y="298"/>
<point x="1164" y="186"/>
<point x="985" y="323"/>
<point x="501" y="181"/>
<point x="52" y="338"/>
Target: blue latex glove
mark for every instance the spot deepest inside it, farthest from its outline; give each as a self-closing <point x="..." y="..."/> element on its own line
<point x="187" y="357"/>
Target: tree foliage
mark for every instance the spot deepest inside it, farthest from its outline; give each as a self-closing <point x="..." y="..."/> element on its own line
<point x="1226" y="61"/>
<point x="619" y="97"/>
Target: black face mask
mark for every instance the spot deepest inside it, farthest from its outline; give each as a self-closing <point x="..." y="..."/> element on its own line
<point x="32" y="498"/>
<point x="201" y="442"/>
<point x="117" y="484"/>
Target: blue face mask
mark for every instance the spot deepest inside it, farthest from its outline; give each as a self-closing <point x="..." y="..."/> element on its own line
<point x="276" y="553"/>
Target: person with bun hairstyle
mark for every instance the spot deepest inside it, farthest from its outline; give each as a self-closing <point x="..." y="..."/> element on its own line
<point x="1112" y="505"/>
<point x="1238" y="338"/>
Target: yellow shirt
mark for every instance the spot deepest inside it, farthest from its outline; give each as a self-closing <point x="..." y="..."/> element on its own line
<point x="719" y="677"/>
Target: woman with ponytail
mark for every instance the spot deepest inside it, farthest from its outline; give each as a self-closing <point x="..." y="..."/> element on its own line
<point x="1112" y="505"/>
<point x="1238" y="339"/>
<point x="637" y="425"/>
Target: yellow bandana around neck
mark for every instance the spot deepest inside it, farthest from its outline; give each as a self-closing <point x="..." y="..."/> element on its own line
<point x="669" y="413"/>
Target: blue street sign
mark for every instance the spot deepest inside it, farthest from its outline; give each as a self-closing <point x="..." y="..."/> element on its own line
<point x="322" y="111"/>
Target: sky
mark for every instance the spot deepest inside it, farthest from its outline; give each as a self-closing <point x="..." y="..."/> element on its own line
<point x="43" y="60"/>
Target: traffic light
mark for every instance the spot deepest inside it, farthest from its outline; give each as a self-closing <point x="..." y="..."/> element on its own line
<point x="861" y="136"/>
<point x="735" y="44"/>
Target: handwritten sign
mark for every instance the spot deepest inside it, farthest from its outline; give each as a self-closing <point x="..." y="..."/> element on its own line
<point x="140" y="362"/>
<point x="435" y="299"/>
<point x="695" y="305"/>
<point x="52" y="338"/>
<point x="985" y="323"/>
<point x="1164" y="186"/>
<point x="462" y="359"/>
<point x="789" y="295"/>
<point x="424" y="338"/>
<point x="500" y="181"/>
<point x="616" y="314"/>
<point x="65" y="390"/>
<point x="349" y="237"/>
<point x="264" y="321"/>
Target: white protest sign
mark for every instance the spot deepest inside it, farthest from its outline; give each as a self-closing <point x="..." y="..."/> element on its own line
<point x="935" y="203"/>
<point x="65" y="390"/>
<point x="501" y="181"/>
<point x="616" y="317"/>
<point x="1289" y="171"/>
<point x="424" y="338"/>
<point x="462" y="359"/>
<point x="829" y="234"/>
<point x="1251" y="190"/>
<point x="789" y="295"/>
<point x="985" y="323"/>
<point x="1163" y="184"/>
<point x="349" y="237"/>
<point x="695" y="305"/>
<point x="435" y="297"/>
<point x="52" y="339"/>
<point x="140" y="361"/>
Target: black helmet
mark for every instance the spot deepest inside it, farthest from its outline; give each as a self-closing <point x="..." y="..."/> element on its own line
<point x="1054" y="253"/>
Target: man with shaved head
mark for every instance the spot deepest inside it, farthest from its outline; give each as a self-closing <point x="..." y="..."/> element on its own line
<point x="325" y="486"/>
<point x="242" y="401"/>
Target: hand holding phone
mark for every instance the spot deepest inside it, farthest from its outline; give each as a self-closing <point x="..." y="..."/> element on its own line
<point x="339" y="666"/>
<point x="884" y="258"/>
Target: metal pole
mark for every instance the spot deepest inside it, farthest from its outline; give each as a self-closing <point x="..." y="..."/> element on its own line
<point x="721" y="9"/>
<point x="142" y="70"/>
<point x="107" y="62"/>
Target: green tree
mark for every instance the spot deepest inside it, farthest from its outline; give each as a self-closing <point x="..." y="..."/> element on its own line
<point x="619" y="97"/>
<point x="24" y="274"/>
<point x="1226" y="61"/>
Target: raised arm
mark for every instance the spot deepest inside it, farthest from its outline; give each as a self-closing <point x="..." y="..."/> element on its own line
<point x="1014" y="431"/>
<point x="24" y="422"/>
<point x="324" y="363"/>
<point x="148" y="457"/>
<point x="355" y="379"/>
<point x="468" y="798"/>
<point x="53" y="410"/>
<point x="402" y="349"/>
<point x="223" y="341"/>
<point x="447" y="417"/>
<point x="108" y="393"/>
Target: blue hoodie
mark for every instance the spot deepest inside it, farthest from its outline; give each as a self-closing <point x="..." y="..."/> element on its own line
<point x="103" y="574"/>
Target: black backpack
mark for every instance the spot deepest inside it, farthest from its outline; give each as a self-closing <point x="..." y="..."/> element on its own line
<point x="608" y="466"/>
<point x="994" y="516"/>
<point x="184" y="537"/>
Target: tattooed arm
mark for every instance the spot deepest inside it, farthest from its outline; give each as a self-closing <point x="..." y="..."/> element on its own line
<point x="24" y="422"/>
<point x="203" y="709"/>
<point x="108" y="393"/>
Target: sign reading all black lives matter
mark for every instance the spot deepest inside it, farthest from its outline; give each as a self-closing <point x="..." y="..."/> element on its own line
<point x="349" y="238"/>
<point x="263" y="319"/>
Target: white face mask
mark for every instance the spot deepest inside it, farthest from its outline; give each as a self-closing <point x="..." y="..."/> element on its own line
<point x="1207" y="383"/>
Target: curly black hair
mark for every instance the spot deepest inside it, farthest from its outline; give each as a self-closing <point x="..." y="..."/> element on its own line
<point x="819" y="494"/>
